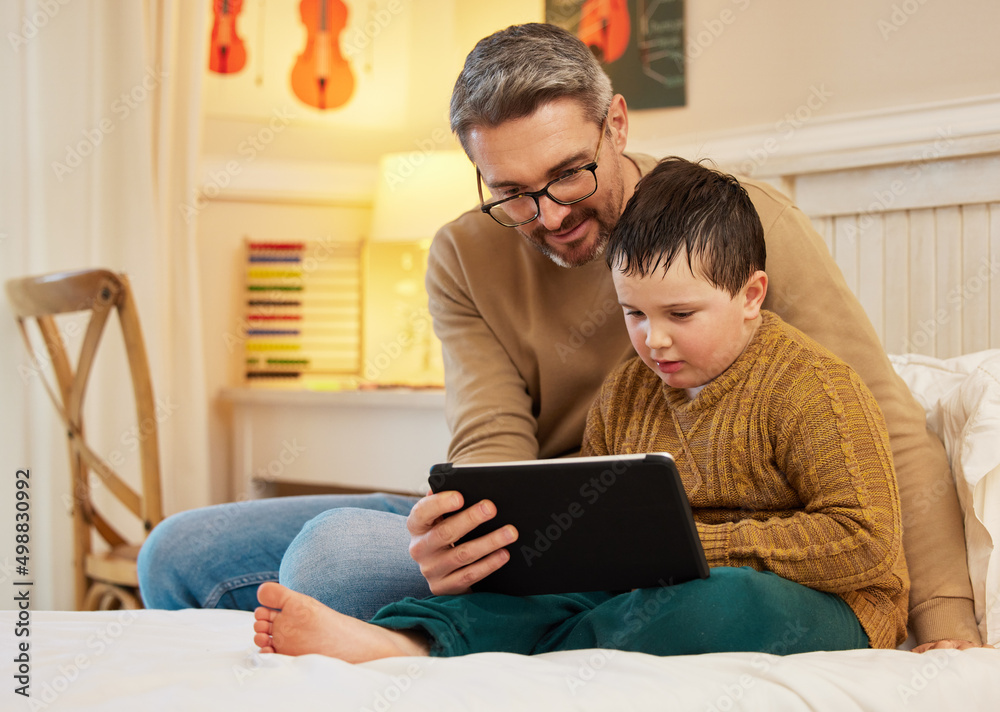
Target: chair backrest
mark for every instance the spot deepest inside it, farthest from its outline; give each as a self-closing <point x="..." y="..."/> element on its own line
<point x="100" y="292"/>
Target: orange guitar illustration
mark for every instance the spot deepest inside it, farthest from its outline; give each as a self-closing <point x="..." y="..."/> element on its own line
<point x="605" y="27"/>
<point x="321" y="76"/>
<point x="228" y="53"/>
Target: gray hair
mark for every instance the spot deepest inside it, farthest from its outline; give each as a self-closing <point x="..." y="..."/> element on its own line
<point x="513" y="72"/>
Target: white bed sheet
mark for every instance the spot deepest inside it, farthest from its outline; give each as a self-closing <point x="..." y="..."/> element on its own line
<point x="205" y="660"/>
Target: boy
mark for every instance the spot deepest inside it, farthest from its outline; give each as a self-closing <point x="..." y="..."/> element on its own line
<point x="782" y="449"/>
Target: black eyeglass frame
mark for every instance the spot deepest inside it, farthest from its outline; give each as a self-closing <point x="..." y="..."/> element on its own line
<point x="536" y="194"/>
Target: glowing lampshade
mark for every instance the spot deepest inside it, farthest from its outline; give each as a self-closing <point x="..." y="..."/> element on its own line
<point x="420" y="191"/>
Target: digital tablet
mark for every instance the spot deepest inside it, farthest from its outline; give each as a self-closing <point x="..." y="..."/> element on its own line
<point x="610" y="523"/>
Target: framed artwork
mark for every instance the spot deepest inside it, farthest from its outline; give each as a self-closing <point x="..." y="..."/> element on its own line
<point x="266" y="60"/>
<point x="640" y="44"/>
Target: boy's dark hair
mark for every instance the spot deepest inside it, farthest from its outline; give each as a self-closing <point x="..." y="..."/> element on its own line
<point x="680" y="205"/>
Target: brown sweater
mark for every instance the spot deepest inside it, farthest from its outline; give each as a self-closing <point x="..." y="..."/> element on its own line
<point x="527" y="345"/>
<point x="785" y="458"/>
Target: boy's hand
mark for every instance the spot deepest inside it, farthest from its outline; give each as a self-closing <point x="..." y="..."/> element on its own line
<point x="451" y="569"/>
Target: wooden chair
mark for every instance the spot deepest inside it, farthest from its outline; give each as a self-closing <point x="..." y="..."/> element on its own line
<point x="103" y="579"/>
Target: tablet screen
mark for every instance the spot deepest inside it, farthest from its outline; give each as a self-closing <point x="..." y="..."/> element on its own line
<point x="610" y="523"/>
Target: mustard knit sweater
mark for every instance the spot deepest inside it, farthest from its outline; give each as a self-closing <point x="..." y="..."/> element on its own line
<point x="786" y="462"/>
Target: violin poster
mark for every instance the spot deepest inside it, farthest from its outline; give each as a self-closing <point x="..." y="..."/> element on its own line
<point x="345" y="63"/>
<point x="640" y="44"/>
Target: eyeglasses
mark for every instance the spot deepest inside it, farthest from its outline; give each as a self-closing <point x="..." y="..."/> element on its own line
<point x="572" y="187"/>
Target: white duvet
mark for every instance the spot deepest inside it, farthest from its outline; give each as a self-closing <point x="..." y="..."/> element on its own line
<point x="205" y="660"/>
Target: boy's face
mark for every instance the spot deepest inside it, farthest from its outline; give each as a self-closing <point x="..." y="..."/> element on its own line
<point x="685" y="329"/>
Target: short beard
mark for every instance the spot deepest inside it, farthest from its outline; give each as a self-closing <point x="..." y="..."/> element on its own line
<point x="537" y="240"/>
<point x="605" y="221"/>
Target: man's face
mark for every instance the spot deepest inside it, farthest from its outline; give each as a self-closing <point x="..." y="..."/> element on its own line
<point x="524" y="154"/>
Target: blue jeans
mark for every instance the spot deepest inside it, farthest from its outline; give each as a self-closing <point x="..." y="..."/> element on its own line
<point x="348" y="551"/>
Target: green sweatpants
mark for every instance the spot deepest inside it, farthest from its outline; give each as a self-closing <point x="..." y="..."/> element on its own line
<point x="735" y="609"/>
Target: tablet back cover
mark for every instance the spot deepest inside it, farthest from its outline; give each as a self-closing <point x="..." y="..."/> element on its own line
<point x="584" y="524"/>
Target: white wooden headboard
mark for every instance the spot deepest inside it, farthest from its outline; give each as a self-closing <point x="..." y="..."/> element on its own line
<point x="908" y="202"/>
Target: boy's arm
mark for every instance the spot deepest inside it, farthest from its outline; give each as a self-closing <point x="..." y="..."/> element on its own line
<point x="808" y="291"/>
<point x="833" y="451"/>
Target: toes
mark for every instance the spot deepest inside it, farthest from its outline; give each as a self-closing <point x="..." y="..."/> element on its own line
<point x="273" y="595"/>
<point x="264" y="614"/>
<point x="262" y="627"/>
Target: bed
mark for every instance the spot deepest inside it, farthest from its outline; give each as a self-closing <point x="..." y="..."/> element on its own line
<point x="205" y="660"/>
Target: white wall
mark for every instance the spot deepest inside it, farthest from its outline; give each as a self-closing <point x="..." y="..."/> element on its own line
<point x="761" y="63"/>
<point x="752" y="62"/>
<point x="404" y="56"/>
<point x="305" y="174"/>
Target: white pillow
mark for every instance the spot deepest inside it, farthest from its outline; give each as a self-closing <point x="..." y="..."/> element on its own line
<point x="962" y="399"/>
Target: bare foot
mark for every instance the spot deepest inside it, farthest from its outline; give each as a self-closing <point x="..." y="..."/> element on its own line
<point x="292" y="623"/>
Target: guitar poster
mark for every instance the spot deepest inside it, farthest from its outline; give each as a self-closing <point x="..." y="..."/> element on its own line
<point x="640" y="44"/>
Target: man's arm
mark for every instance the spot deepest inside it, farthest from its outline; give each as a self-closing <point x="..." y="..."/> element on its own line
<point x="490" y="417"/>
<point x="488" y="408"/>
<point x="808" y="291"/>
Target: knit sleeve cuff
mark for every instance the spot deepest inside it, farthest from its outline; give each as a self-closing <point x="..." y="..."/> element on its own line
<point x="715" y="541"/>
<point x="941" y="617"/>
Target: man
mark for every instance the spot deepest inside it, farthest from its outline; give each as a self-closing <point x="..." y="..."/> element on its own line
<point x="528" y="319"/>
